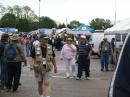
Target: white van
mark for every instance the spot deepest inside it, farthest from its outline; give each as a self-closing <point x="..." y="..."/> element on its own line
<point x="96" y="39"/>
<point x="120" y="38"/>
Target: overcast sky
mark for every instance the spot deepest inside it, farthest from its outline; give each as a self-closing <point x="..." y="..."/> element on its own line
<point x="81" y="10"/>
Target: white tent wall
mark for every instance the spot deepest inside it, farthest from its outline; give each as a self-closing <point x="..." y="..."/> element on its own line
<point x="81" y="32"/>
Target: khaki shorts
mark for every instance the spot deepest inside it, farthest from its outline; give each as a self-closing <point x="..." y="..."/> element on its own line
<point x="43" y="75"/>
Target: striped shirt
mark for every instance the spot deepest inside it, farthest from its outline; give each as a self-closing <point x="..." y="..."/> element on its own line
<point x="83" y="49"/>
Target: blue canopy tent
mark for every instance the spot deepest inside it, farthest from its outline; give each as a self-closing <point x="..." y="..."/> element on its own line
<point x="9" y="30"/>
<point x="43" y="31"/>
<point x="83" y="29"/>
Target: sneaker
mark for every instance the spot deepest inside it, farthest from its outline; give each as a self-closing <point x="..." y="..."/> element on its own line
<point x="47" y="96"/>
<point x="74" y="76"/>
<point x="15" y="90"/>
<point x="20" y="84"/>
<point x="78" y="78"/>
<point x="107" y="69"/>
<point x="102" y="70"/>
<point x="67" y="77"/>
<point x="87" y="78"/>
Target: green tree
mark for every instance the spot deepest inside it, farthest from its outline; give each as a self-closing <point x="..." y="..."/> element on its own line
<point x="2" y="10"/>
<point x="60" y="26"/>
<point x="17" y="11"/>
<point x="34" y="25"/>
<point x="8" y="20"/>
<point x="26" y="12"/>
<point x="100" y="24"/>
<point x="23" y="25"/>
<point x="107" y="24"/>
<point x="73" y="24"/>
<point x="10" y="10"/>
<point x="46" y="22"/>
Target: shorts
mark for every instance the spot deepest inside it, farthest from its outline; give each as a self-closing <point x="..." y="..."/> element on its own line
<point x="43" y="75"/>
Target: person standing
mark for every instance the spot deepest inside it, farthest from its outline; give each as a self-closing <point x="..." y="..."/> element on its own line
<point x="52" y="41"/>
<point x="83" y="57"/>
<point x="68" y="53"/>
<point x="105" y="51"/>
<point x="58" y="42"/>
<point x="42" y="62"/>
<point x="22" y="41"/>
<point x="3" y="65"/>
<point x="113" y="55"/>
<point x="13" y="56"/>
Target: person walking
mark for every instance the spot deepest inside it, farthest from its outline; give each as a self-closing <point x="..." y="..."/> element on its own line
<point x="83" y="57"/>
<point x="52" y="41"/>
<point x="13" y="56"/>
<point x="68" y="54"/>
<point x="113" y="55"/>
<point x="3" y="65"/>
<point x="104" y="51"/>
<point x="42" y="62"/>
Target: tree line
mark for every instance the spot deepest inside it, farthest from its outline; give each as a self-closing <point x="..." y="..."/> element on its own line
<point x="24" y="19"/>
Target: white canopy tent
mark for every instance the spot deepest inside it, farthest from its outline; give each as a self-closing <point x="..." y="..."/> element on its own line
<point x="1" y="32"/>
<point x="64" y="30"/>
<point x="121" y="27"/>
<point x="82" y="32"/>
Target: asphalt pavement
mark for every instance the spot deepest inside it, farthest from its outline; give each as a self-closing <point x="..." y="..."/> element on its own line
<point x="96" y="86"/>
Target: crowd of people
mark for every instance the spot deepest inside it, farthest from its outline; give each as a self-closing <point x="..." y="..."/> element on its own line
<point x="20" y="50"/>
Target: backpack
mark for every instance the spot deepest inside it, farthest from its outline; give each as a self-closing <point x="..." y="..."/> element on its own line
<point x="105" y="46"/>
<point x="1" y="49"/>
<point x="10" y="52"/>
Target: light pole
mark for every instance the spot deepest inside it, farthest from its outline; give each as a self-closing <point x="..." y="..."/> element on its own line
<point x="39" y="12"/>
<point x="115" y="12"/>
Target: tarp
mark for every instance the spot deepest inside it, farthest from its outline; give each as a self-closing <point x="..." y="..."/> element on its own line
<point x="64" y="30"/>
<point x="120" y="85"/>
<point x="9" y="30"/>
<point x="83" y="29"/>
<point x="121" y="27"/>
<point x="42" y="31"/>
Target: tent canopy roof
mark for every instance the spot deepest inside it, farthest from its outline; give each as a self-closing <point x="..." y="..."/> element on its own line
<point x="83" y="29"/>
<point x="121" y="27"/>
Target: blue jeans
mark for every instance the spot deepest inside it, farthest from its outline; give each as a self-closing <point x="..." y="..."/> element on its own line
<point x="104" y="60"/>
<point x="3" y="73"/>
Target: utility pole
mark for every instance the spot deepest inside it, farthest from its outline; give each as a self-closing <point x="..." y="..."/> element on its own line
<point x="115" y="12"/>
<point x="39" y="12"/>
<point x="66" y="23"/>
